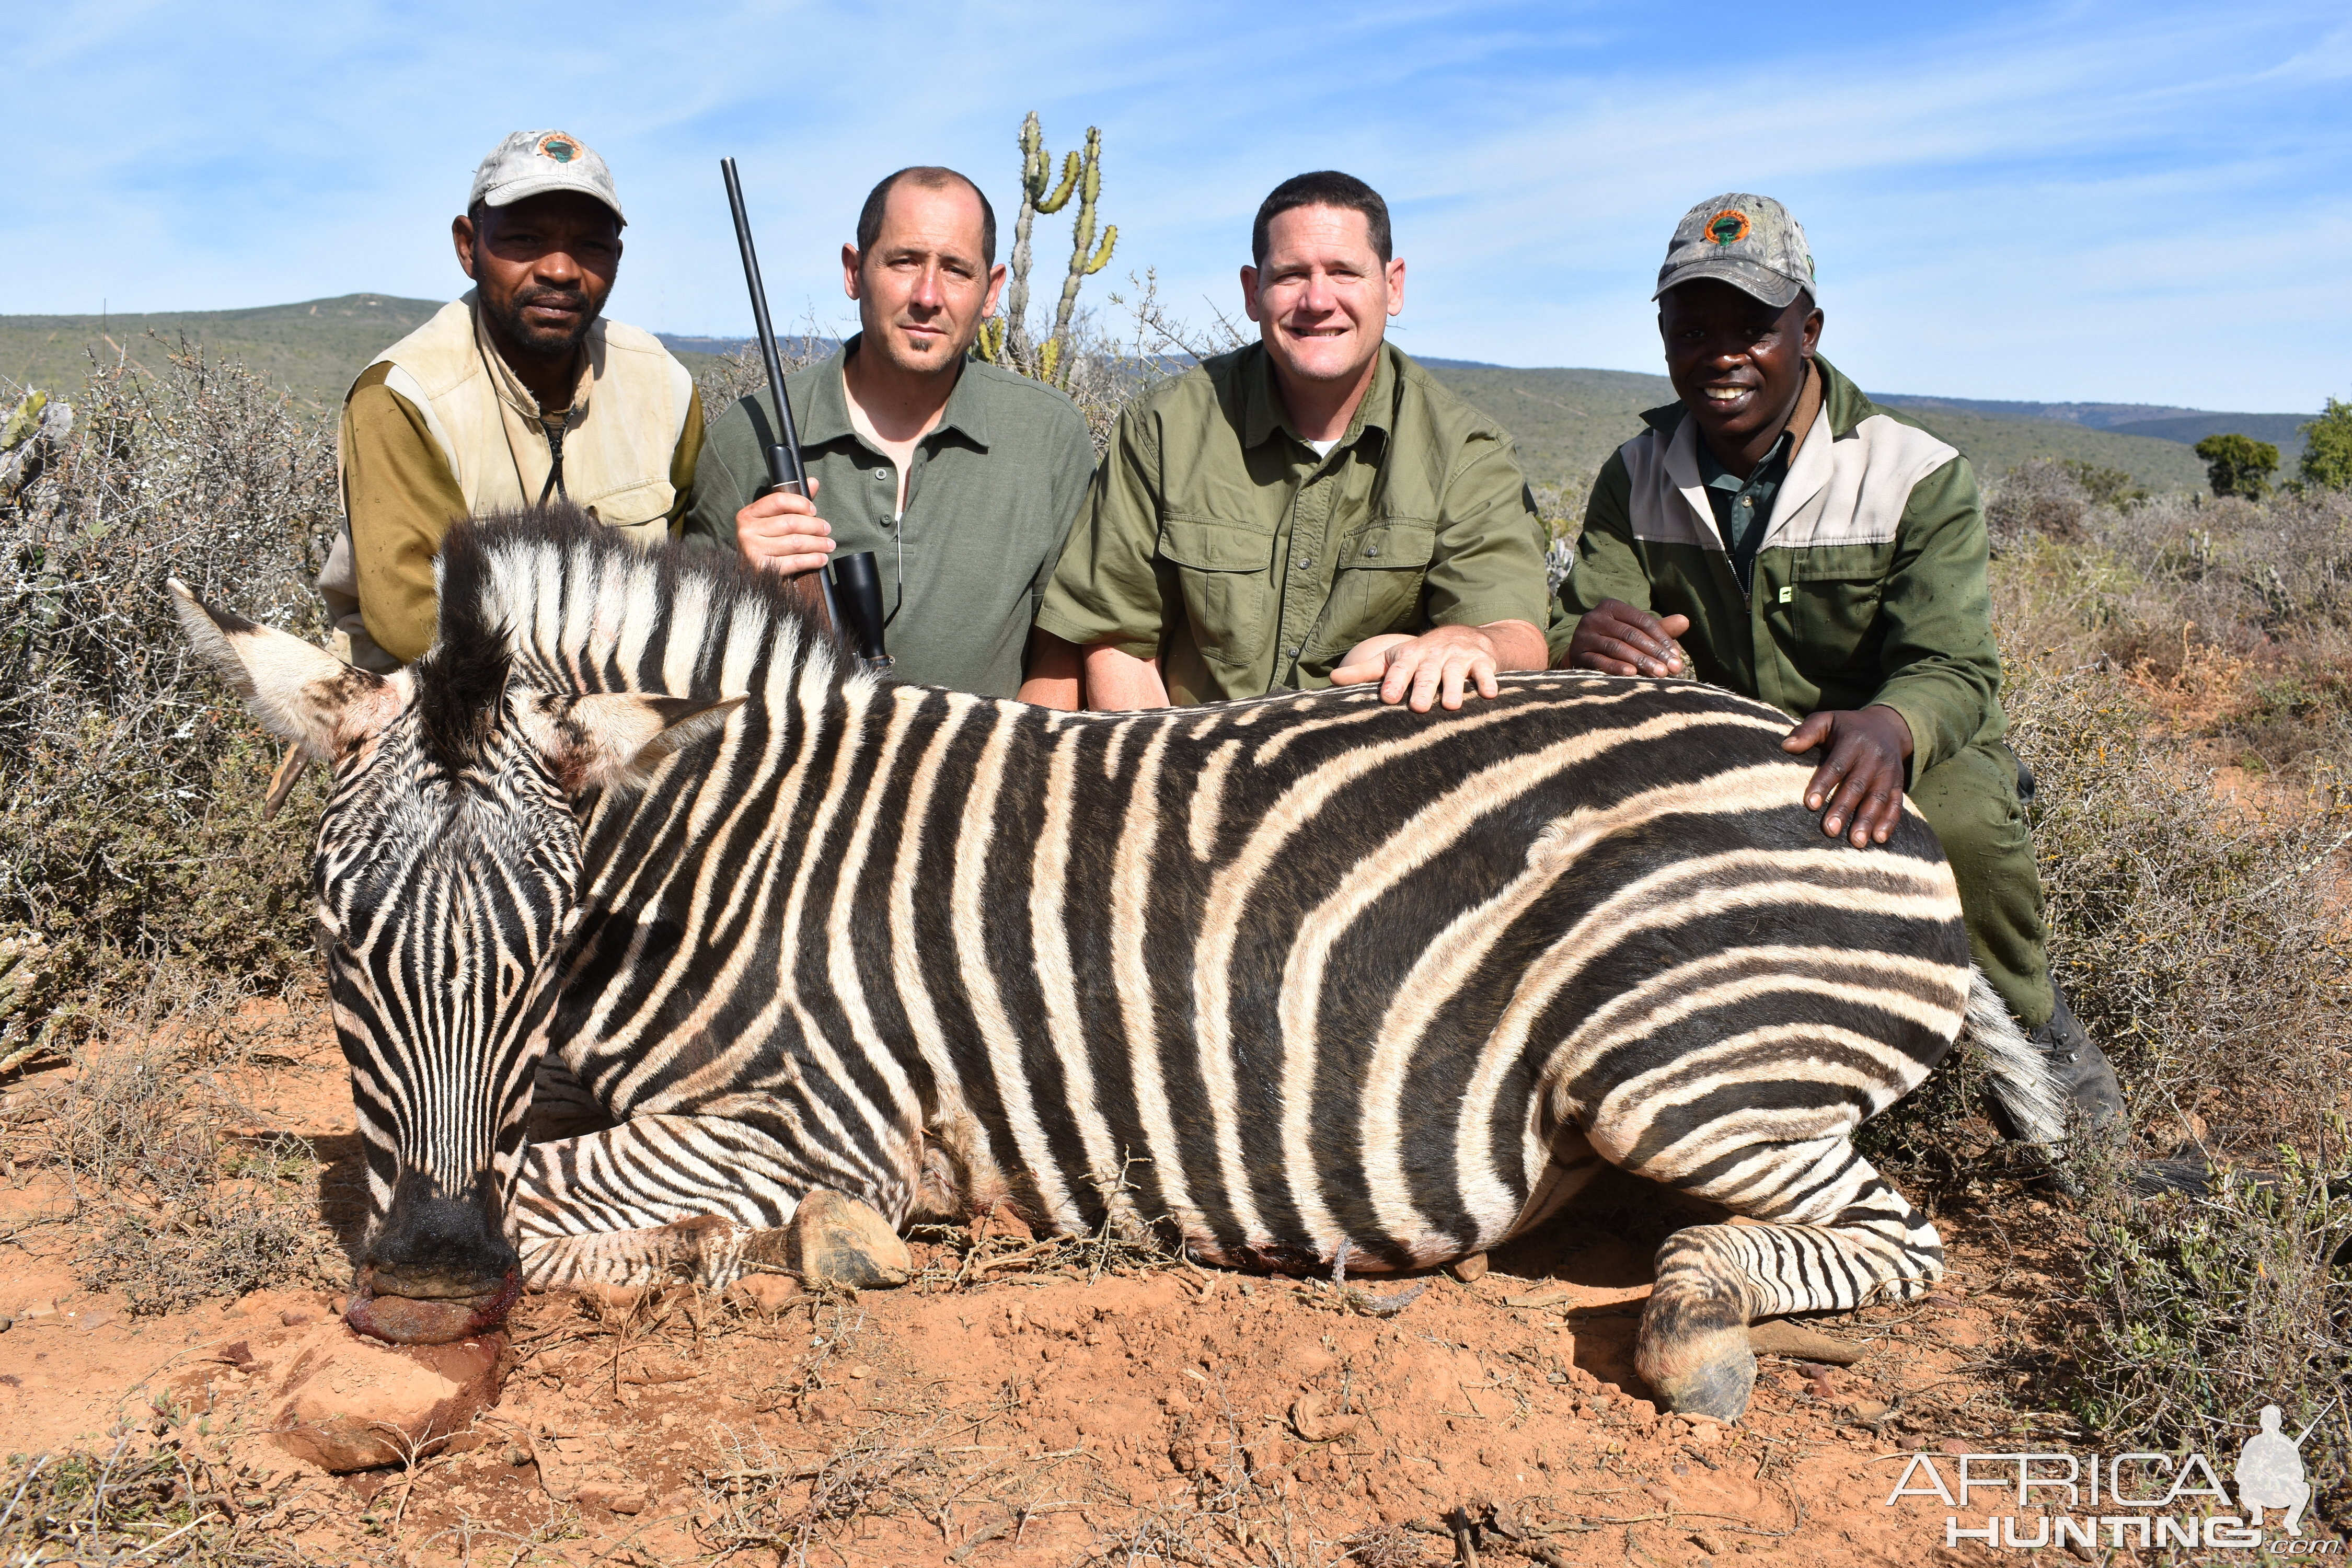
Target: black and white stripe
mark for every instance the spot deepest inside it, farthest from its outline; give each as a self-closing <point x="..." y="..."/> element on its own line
<point x="1268" y="977"/>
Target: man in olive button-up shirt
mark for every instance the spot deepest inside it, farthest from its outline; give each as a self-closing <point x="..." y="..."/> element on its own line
<point x="1312" y="510"/>
<point x="962" y="479"/>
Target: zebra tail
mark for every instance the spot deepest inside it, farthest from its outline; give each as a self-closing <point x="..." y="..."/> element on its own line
<point x="2019" y="1073"/>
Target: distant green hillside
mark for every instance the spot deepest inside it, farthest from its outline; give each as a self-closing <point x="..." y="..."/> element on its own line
<point x="2186" y="425"/>
<point x="312" y="349"/>
<point x="2281" y="430"/>
<point x="1567" y="422"/>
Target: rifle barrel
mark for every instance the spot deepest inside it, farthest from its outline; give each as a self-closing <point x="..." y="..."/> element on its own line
<point x="785" y="471"/>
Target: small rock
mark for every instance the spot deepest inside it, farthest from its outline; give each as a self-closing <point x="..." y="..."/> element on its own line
<point x="1706" y="1543"/>
<point x="830" y="1406"/>
<point x="1470" y="1269"/>
<point x="295" y="1317"/>
<point x="347" y="1403"/>
<point x="1956" y="1446"/>
<point x="840" y="1241"/>
<point x="1312" y="1418"/>
<point x="860" y="1370"/>
<point x="1266" y="1455"/>
<point x="1870" y="1412"/>
<point x="617" y="1496"/>
<point x="517" y="1456"/>
<point x="6" y="1323"/>
<point x="765" y="1293"/>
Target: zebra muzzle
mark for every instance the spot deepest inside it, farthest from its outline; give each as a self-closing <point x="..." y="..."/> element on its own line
<point x="428" y="1320"/>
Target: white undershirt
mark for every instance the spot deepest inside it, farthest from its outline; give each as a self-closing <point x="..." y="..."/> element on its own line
<point x="1323" y="449"/>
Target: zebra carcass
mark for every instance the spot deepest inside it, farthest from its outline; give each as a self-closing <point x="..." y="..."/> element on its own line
<point x="1269" y="978"/>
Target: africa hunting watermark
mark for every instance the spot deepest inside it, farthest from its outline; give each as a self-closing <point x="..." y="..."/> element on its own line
<point x="2139" y="1500"/>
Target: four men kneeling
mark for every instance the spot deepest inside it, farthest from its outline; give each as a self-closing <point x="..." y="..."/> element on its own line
<point x="1311" y="510"/>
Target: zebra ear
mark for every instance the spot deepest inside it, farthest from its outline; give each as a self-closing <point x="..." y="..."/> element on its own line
<point x="300" y="693"/>
<point x="616" y="739"/>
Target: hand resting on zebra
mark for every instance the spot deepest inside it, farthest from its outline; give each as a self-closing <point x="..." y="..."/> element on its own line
<point x="1266" y="979"/>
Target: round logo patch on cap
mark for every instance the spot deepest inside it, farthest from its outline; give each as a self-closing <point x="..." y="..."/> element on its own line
<point x="1729" y="226"/>
<point x="563" y="149"/>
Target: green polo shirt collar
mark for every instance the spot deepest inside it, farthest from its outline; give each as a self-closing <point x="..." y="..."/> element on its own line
<point x="1743" y="508"/>
<point x="828" y="421"/>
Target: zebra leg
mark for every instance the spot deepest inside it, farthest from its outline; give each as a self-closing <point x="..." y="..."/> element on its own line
<point x="660" y="1198"/>
<point x="1835" y="1235"/>
<point x="707" y="1249"/>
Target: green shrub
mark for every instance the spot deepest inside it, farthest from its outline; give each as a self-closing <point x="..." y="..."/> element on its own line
<point x="133" y="852"/>
<point x="2327" y="448"/>
<point x="2208" y="1308"/>
<point x="2238" y="465"/>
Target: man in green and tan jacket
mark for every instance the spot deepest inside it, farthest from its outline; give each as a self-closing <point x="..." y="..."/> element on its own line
<point x="1827" y="555"/>
<point x="1312" y="510"/>
<point x="518" y="394"/>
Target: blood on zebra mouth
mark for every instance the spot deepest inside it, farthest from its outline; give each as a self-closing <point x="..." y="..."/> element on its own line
<point x="428" y="1320"/>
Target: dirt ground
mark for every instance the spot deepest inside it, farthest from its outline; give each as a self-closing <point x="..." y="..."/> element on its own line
<point x="1062" y="1404"/>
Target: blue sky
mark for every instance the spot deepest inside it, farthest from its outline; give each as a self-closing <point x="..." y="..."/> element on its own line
<point x="2142" y="203"/>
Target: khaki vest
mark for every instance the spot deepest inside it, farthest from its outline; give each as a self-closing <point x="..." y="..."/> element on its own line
<point x="620" y="438"/>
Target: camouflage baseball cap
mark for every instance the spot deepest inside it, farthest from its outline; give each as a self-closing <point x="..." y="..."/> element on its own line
<point x="533" y="163"/>
<point x="1748" y="241"/>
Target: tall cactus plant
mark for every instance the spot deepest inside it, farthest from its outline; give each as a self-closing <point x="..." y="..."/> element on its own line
<point x="1007" y="341"/>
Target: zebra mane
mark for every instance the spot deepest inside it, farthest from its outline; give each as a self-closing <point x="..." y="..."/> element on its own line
<point x="561" y="602"/>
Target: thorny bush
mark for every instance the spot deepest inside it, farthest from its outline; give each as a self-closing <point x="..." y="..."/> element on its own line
<point x="2201" y="934"/>
<point x="131" y="846"/>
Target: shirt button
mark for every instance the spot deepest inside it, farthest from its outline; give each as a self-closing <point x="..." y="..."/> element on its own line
<point x="1371" y="550"/>
<point x="882" y="473"/>
<point x="1291" y="652"/>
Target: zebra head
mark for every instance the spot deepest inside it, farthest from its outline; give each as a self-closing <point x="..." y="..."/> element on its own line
<point x="446" y="879"/>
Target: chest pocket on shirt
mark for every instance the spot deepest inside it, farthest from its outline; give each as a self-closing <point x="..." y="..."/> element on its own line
<point x="1376" y="582"/>
<point x="1833" y="608"/>
<point x="1225" y="573"/>
<point x="633" y="506"/>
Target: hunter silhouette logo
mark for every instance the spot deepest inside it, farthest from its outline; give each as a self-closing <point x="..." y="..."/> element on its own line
<point x="2270" y="1473"/>
<point x="1729" y="226"/>
<point x="560" y="147"/>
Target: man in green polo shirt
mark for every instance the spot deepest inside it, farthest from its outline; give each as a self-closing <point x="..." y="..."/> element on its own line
<point x="1309" y="511"/>
<point x="1828" y="555"/>
<point x="961" y="478"/>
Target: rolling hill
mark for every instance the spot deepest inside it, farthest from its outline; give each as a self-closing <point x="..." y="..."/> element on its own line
<point x="1566" y="421"/>
<point x="312" y="349"/>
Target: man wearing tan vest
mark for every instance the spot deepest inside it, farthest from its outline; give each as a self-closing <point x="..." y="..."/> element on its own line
<point x="514" y="396"/>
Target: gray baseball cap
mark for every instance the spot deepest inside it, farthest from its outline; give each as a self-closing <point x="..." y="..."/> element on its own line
<point x="1748" y="241"/>
<point x="533" y="163"/>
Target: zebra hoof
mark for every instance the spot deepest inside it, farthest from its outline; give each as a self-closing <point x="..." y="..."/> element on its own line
<point x="838" y="1240"/>
<point x="1695" y="1355"/>
<point x="1718" y="1388"/>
